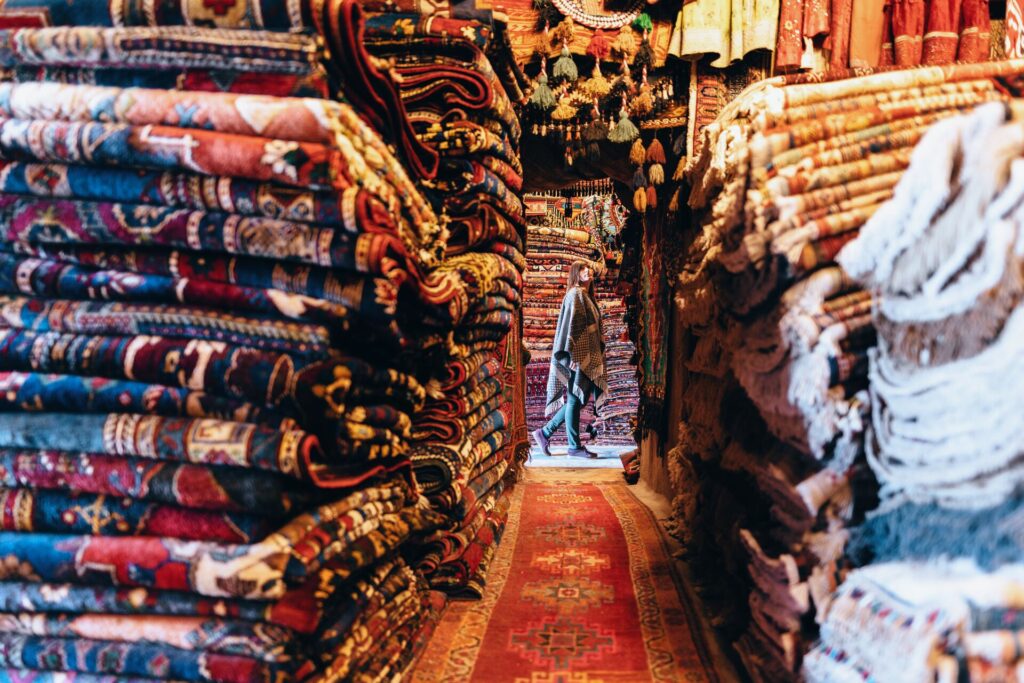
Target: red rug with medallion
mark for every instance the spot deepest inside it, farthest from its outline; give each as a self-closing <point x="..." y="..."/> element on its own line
<point x="581" y="590"/>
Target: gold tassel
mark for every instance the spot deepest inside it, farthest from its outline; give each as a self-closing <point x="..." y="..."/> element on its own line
<point x="640" y="200"/>
<point x="597" y="85"/>
<point x="643" y="104"/>
<point x="680" y="173"/>
<point x="656" y="174"/>
<point x="564" y="111"/>
<point x="673" y="206"/>
<point x="637" y="153"/>
<point x="625" y="43"/>
<point x="564" y="33"/>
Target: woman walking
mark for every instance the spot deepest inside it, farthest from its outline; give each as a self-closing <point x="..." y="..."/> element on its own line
<point x="577" y="363"/>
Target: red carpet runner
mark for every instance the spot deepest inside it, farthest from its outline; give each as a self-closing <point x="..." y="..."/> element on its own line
<point x="580" y="591"/>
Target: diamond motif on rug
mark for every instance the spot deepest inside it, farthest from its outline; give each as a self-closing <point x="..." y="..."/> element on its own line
<point x="562" y="643"/>
<point x="564" y="498"/>
<point x="559" y="677"/>
<point x="571" y="561"/>
<point x="566" y="595"/>
<point x="570" y="532"/>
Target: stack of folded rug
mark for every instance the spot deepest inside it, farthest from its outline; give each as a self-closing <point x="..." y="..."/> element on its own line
<point x="470" y="436"/>
<point x="777" y="340"/>
<point x="946" y="268"/>
<point x="212" y="301"/>
<point x="945" y="620"/>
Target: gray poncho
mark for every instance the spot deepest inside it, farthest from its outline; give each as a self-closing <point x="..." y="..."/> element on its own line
<point x="578" y="338"/>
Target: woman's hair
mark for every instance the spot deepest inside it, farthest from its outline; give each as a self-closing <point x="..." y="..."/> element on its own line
<point x="574" y="277"/>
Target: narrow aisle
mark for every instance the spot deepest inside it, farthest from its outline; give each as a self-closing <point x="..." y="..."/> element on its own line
<point x="581" y="590"/>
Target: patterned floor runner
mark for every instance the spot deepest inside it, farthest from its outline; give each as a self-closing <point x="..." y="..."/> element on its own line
<point x="580" y="591"/>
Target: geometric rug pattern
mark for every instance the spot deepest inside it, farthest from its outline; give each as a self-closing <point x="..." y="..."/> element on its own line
<point x="581" y="590"/>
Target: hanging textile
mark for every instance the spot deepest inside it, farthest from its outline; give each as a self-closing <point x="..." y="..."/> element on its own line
<point x="652" y="340"/>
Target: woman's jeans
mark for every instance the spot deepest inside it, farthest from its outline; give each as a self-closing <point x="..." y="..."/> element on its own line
<point x="569" y="414"/>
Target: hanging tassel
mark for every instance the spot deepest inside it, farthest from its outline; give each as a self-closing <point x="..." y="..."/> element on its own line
<point x="643" y="104"/>
<point x="597" y="85"/>
<point x="620" y="90"/>
<point x="565" y="68"/>
<point x="640" y="200"/>
<point x="636" y="153"/>
<point x="600" y="46"/>
<point x="543" y="46"/>
<point x="644" y="56"/>
<point x="673" y="205"/>
<point x="564" y="111"/>
<point x="639" y="180"/>
<point x="542" y="97"/>
<point x="564" y="33"/>
<point x="547" y="13"/>
<point x="680" y="173"/>
<point x="595" y="131"/>
<point x="652" y="197"/>
<point x="624" y="131"/>
<point x="643" y="23"/>
<point x="625" y="43"/>
<point x="655" y="152"/>
<point x="679" y="144"/>
<point x="656" y="174"/>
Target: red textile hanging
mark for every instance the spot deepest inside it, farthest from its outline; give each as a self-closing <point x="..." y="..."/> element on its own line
<point x="974" y="31"/>
<point x="817" y="21"/>
<point x="790" y="46"/>
<point x="838" y="40"/>
<point x="942" y="31"/>
<point x="888" y="57"/>
<point x="908" y="29"/>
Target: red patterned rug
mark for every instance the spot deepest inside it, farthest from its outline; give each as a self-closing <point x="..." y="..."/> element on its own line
<point x="580" y="591"/>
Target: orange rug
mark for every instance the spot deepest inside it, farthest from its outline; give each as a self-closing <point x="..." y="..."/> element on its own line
<point x="581" y="590"/>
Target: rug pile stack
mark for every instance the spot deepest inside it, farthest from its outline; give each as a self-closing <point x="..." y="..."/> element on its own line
<point x="224" y="297"/>
<point x="618" y="413"/>
<point x="947" y="267"/>
<point x="470" y="435"/>
<point x="555" y="242"/>
<point x="778" y="337"/>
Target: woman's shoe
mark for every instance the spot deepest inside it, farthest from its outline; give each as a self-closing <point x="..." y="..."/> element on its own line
<point x="542" y="441"/>
<point x="580" y="453"/>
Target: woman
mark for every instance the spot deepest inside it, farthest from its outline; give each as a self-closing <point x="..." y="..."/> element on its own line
<point x="577" y="362"/>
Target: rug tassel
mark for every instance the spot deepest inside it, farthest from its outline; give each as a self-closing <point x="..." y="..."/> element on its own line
<point x="624" y="131"/>
<point x="625" y="43"/>
<point x="597" y="85"/>
<point x="673" y="205"/>
<point x="640" y="200"/>
<point x="542" y="97"/>
<point x="600" y="46"/>
<point x="636" y="153"/>
<point x="655" y="152"/>
<point x="680" y="173"/>
<point x="565" y="68"/>
<point x="656" y="174"/>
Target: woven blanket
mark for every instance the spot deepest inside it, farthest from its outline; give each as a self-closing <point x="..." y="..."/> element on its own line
<point x="263" y="570"/>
